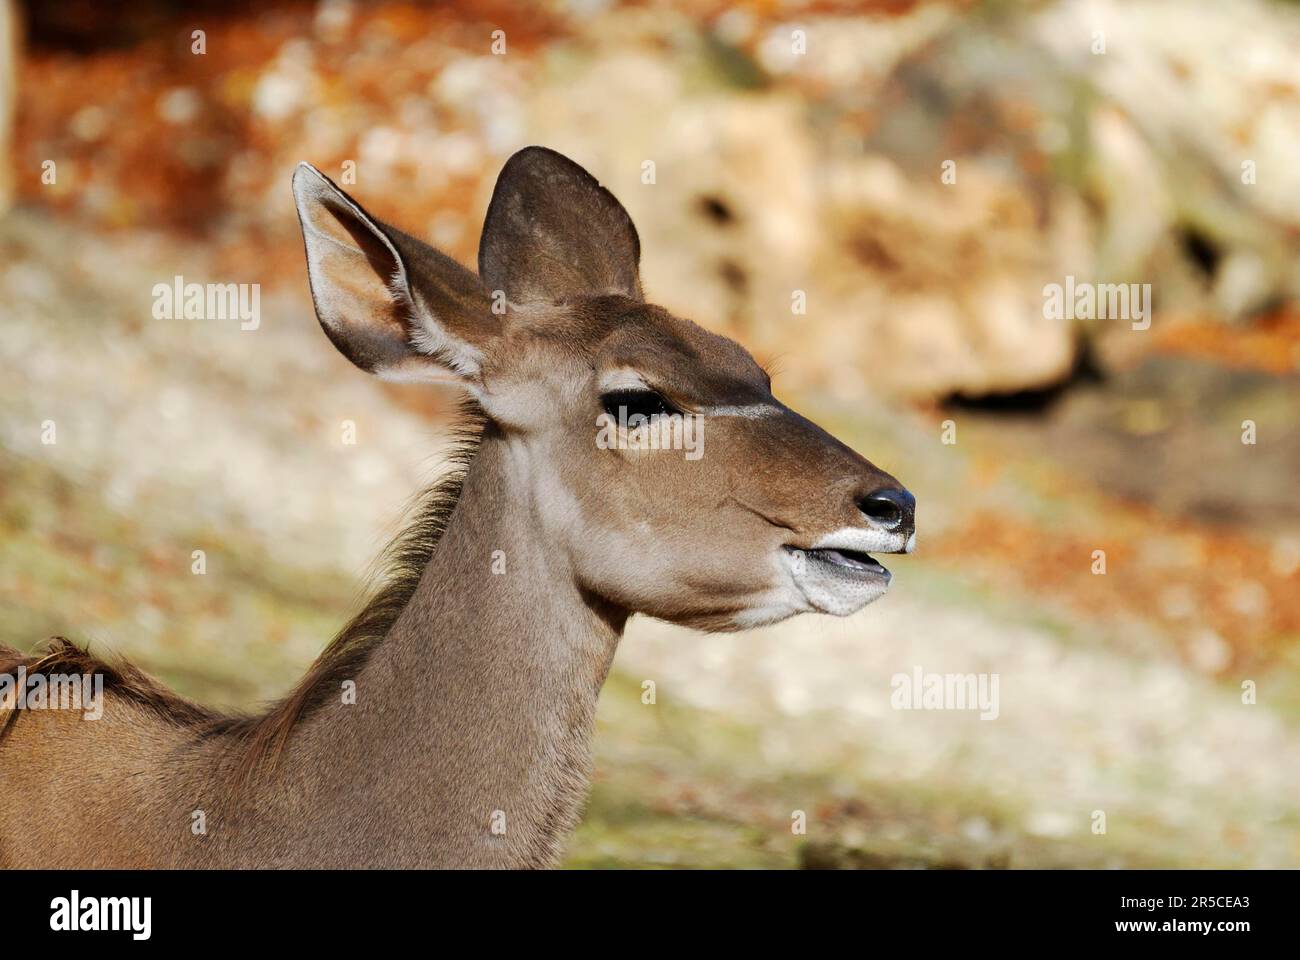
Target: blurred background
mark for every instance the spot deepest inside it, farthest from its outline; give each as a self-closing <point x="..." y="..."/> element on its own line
<point x="921" y="171"/>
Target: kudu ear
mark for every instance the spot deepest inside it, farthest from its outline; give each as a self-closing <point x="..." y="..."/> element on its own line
<point x="553" y="233"/>
<point x="392" y="305"/>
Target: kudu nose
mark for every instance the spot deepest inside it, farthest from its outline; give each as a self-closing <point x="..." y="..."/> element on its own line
<point x="892" y="508"/>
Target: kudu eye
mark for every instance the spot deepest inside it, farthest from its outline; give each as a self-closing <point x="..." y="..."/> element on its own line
<point x="623" y="405"/>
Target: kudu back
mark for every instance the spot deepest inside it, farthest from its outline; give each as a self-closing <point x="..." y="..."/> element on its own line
<point x="614" y="459"/>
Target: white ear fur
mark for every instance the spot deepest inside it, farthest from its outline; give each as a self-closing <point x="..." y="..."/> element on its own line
<point x="430" y="337"/>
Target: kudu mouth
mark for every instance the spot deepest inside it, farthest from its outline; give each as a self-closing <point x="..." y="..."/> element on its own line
<point x="837" y="573"/>
<point x="850" y="550"/>
<point x="850" y="562"/>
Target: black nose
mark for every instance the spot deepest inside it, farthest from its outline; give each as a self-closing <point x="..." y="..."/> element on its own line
<point x="890" y="507"/>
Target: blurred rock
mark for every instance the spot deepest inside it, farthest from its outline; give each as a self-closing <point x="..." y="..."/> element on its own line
<point x="1168" y="433"/>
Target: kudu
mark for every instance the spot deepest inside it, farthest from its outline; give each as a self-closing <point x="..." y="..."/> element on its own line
<point x="476" y="667"/>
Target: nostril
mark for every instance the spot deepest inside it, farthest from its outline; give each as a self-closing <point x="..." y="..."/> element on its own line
<point x="889" y="508"/>
<point x="884" y="511"/>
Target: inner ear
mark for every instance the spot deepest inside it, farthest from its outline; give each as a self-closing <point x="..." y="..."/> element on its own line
<point x="552" y="233"/>
<point x="390" y="303"/>
<point x="359" y="287"/>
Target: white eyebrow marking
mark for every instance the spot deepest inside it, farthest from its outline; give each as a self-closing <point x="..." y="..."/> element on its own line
<point x="625" y="378"/>
<point x="752" y="411"/>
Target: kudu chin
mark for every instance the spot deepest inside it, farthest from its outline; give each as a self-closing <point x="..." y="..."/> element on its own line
<point x="449" y="723"/>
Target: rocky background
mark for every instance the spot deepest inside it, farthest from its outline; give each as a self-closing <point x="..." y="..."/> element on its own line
<point x="918" y="175"/>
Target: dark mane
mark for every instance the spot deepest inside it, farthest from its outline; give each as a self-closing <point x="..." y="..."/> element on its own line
<point x="62" y="656"/>
<point x="263" y="736"/>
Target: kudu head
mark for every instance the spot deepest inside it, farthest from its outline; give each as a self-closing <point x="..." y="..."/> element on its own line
<point x="652" y="455"/>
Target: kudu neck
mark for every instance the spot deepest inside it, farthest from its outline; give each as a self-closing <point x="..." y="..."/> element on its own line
<point x="474" y="716"/>
<point x="496" y="583"/>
